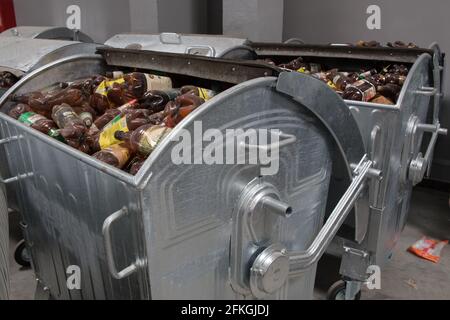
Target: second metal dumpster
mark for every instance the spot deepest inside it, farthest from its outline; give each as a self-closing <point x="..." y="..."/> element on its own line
<point x="393" y="137"/>
<point x="192" y="231"/>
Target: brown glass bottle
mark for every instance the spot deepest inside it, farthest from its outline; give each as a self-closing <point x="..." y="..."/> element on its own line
<point x="72" y="126"/>
<point x="7" y="79"/>
<point x="397" y="69"/>
<point x="45" y="104"/>
<point x="135" y="164"/>
<point x="110" y="114"/>
<point x="144" y="139"/>
<point x="361" y="90"/>
<point x="203" y="93"/>
<point x="156" y="100"/>
<point x="340" y="80"/>
<point x="397" y="79"/>
<point x="294" y="64"/>
<point x="367" y="74"/>
<point x="177" y="110"/>
<point x="130" y="120"/>
<point x="116" y="155"/>
<point x="390" y="91"/>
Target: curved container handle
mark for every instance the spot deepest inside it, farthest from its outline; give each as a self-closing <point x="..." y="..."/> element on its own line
<point x="106" y="230"/>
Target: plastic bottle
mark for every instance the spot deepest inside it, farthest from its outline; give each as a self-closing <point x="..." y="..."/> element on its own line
<point x="7" y="79"/>
<point x="361" y="90"/>
<point x="24" y="114"/>
<point x="130" y="120"/>
<point x="156" y="100"/>
<point x="203" y="93"/>
<point x="144" y="139"/>
<point x="135" y="165"/>
<point x="390" y="91"/>
<point x="339" y="79"/>
<point x="116" y="155"/>
<point x="177" y="110"/>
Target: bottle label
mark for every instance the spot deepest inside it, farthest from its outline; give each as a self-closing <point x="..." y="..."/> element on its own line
<point x="368" y="93"/>
<point x="69" y="114"/>
<point x="331" y="85"/>
<point x="29" y="118"/>
<point x="151" y="138"/>
<point x="336" y="78"/>
<point x="205" y="94"/>
<point x="117" y="74"/>
<point x="157" y="82"/>
<point x="107" y="138"/>
<point x="122" y="154"/>
<point x="106" y="84"/>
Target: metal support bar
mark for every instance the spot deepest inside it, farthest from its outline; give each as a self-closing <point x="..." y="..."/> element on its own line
<point x="10" y="139"/>
<point x="427" y="91"/>
<point x="300" y="261"/>
<point x="16" y="178"/>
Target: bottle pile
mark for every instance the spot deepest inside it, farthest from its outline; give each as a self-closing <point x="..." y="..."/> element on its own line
<point x="117" y="118"/>
<point x="369" y="85"/>
<point x="7" y="79"/>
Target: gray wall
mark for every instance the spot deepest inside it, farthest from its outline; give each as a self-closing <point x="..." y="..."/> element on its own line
<point x="101" y="19"/>
<point x="186" y="16"/>
<point x="420" y="21"/>
<point x="258" y="20"/>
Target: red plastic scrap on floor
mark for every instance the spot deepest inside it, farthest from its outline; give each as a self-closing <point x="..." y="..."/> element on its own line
<point x="7" y="15"/>
<point x="428" y="249"/>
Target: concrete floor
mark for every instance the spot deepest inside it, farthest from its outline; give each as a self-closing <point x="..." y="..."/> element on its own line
<point x="405" y="277"/>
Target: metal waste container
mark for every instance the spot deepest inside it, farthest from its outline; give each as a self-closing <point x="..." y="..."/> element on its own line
<point x="53" y="33"/>
<point x="399" y="138"/>
<point x="192" y="231"/>
<point x="198" y="44"/>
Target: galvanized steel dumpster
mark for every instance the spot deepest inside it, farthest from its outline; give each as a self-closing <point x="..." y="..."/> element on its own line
<point x="191" y="231"/>
<point x="393" y="137"/>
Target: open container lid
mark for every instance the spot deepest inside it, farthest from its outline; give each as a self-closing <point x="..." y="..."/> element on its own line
<point x="20" y="55"/>
<point x="200" y="44"/>
<point x="405" y="55"/>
